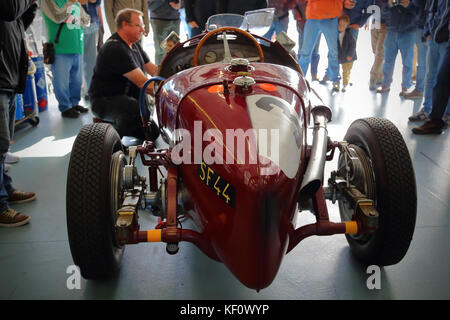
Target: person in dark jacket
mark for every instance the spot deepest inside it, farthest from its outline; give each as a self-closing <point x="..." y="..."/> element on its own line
<point x="15" y="17"/>
<point x="401" y="24"/>
<point x="197" y="14"/>
<point x="239" y="6"/>
<point x="438" y="17"/>
<point x="346" y="49"/>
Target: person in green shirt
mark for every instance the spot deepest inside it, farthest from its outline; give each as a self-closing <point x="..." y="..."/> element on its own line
<point x="66" y="70"/>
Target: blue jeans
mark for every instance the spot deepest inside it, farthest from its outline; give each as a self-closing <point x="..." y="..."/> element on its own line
<point x="394" y="42"/>
<point x="313" y="28"/>
<point x="441" y="91"/>
<point x="277" y="26"/>
<point x="7" y="118"/>
<point x="161" y="29"/>
<point x="315" y="56"/>
<point x="435" y="56"/>
<point x="67" y="80"/>
<point x="90" y="54"/>
<point x="421" y="61"/>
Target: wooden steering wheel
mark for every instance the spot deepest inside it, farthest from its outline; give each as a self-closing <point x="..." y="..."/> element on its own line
<point x="227" y="57"/>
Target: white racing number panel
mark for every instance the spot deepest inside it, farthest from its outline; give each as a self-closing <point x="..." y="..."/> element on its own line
<point x="269" y="112"/>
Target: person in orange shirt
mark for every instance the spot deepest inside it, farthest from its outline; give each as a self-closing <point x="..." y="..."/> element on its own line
<point x="322" y="17"/>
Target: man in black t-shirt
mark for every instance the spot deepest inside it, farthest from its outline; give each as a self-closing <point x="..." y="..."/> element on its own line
<point x="119" y="73"/>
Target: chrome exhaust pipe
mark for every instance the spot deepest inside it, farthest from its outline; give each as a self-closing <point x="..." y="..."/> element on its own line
<point x="312" y="180"/>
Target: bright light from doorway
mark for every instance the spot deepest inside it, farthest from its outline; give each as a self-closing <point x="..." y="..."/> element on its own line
<point x="48" y="147"/>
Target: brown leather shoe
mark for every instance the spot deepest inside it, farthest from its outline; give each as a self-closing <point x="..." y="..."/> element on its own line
<point x="403" y="92"/>
<point x="431" y="126"/>
<point x="383" y="89"/>
<point x="18" y="196"/>
<point x="80" y="108"/>
<point x="13" y="218"/>
<point x="415" y="94"/>
<point x="71" y="113"/>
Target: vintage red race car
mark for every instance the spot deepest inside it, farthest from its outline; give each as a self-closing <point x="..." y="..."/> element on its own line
<point x="234" y="110"/>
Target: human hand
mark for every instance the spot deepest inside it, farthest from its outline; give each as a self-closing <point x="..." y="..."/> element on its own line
<point x="349" y="4"/>
<point x="73" y="1"/>
<point x="390" y="3"/>
<point x="175" y="6"/>
<point x="405" y="3"/>
<point x="193" y="24"/>
<point x="83" y="1"/>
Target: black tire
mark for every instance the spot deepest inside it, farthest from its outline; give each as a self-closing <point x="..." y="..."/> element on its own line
<point x="90" y="216"/>
<point x="395" y="191"/>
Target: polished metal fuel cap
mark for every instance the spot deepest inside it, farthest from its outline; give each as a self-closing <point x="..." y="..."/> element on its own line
<point x="244" y="83"/>
<point x="239" y="64"/>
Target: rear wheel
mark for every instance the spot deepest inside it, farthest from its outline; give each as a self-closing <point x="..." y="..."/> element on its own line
<point x="93" y="196"/>
<point x="382" y="170"/>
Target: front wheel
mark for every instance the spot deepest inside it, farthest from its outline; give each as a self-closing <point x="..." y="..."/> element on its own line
<point x="93" y="196"/>
<point x="383" y="171"/>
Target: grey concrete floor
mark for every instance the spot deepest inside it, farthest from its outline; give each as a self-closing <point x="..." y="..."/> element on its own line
<point x="34" y="258"/>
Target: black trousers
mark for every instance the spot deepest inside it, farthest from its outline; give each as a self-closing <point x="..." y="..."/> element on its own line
<point x="123" y="112"/>
<point x="441" y="90"/>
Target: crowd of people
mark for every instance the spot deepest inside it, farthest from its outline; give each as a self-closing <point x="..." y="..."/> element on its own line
<point x="110" y="74"/>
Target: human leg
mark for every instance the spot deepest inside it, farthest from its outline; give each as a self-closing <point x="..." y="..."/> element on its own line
<point x="440" y="99"/>
<point x="346" y="71"/>
<point x="315" y="58"/>
<point x="123" y="112"/>
<point x="421" y="61"/>
<point x="161" y="29"/>
<point x="8" y="216"/>
<point x="75" y="79"/>
<point x="157" y="27"/>
<point x="61" y="80"/>
<point x="310" y="35"/>
<point x="330" y="32"/>
<point x="441" y="88"/>
<point x="89" y="56"/>
<point x="378" y="38"/>
<point x="406" y="43"/>
<point x="390" y="53"/>
<point x="433" y="56"/>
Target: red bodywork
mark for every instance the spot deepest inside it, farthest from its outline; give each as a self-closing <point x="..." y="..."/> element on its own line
<point x="252" y="236"/>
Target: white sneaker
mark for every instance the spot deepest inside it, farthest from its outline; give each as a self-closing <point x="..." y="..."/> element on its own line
<point x="11" y="158"/>
<point x="419" y="116"/>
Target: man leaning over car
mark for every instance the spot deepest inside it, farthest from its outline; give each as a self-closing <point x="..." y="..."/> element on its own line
<point x="119" y="73"/>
